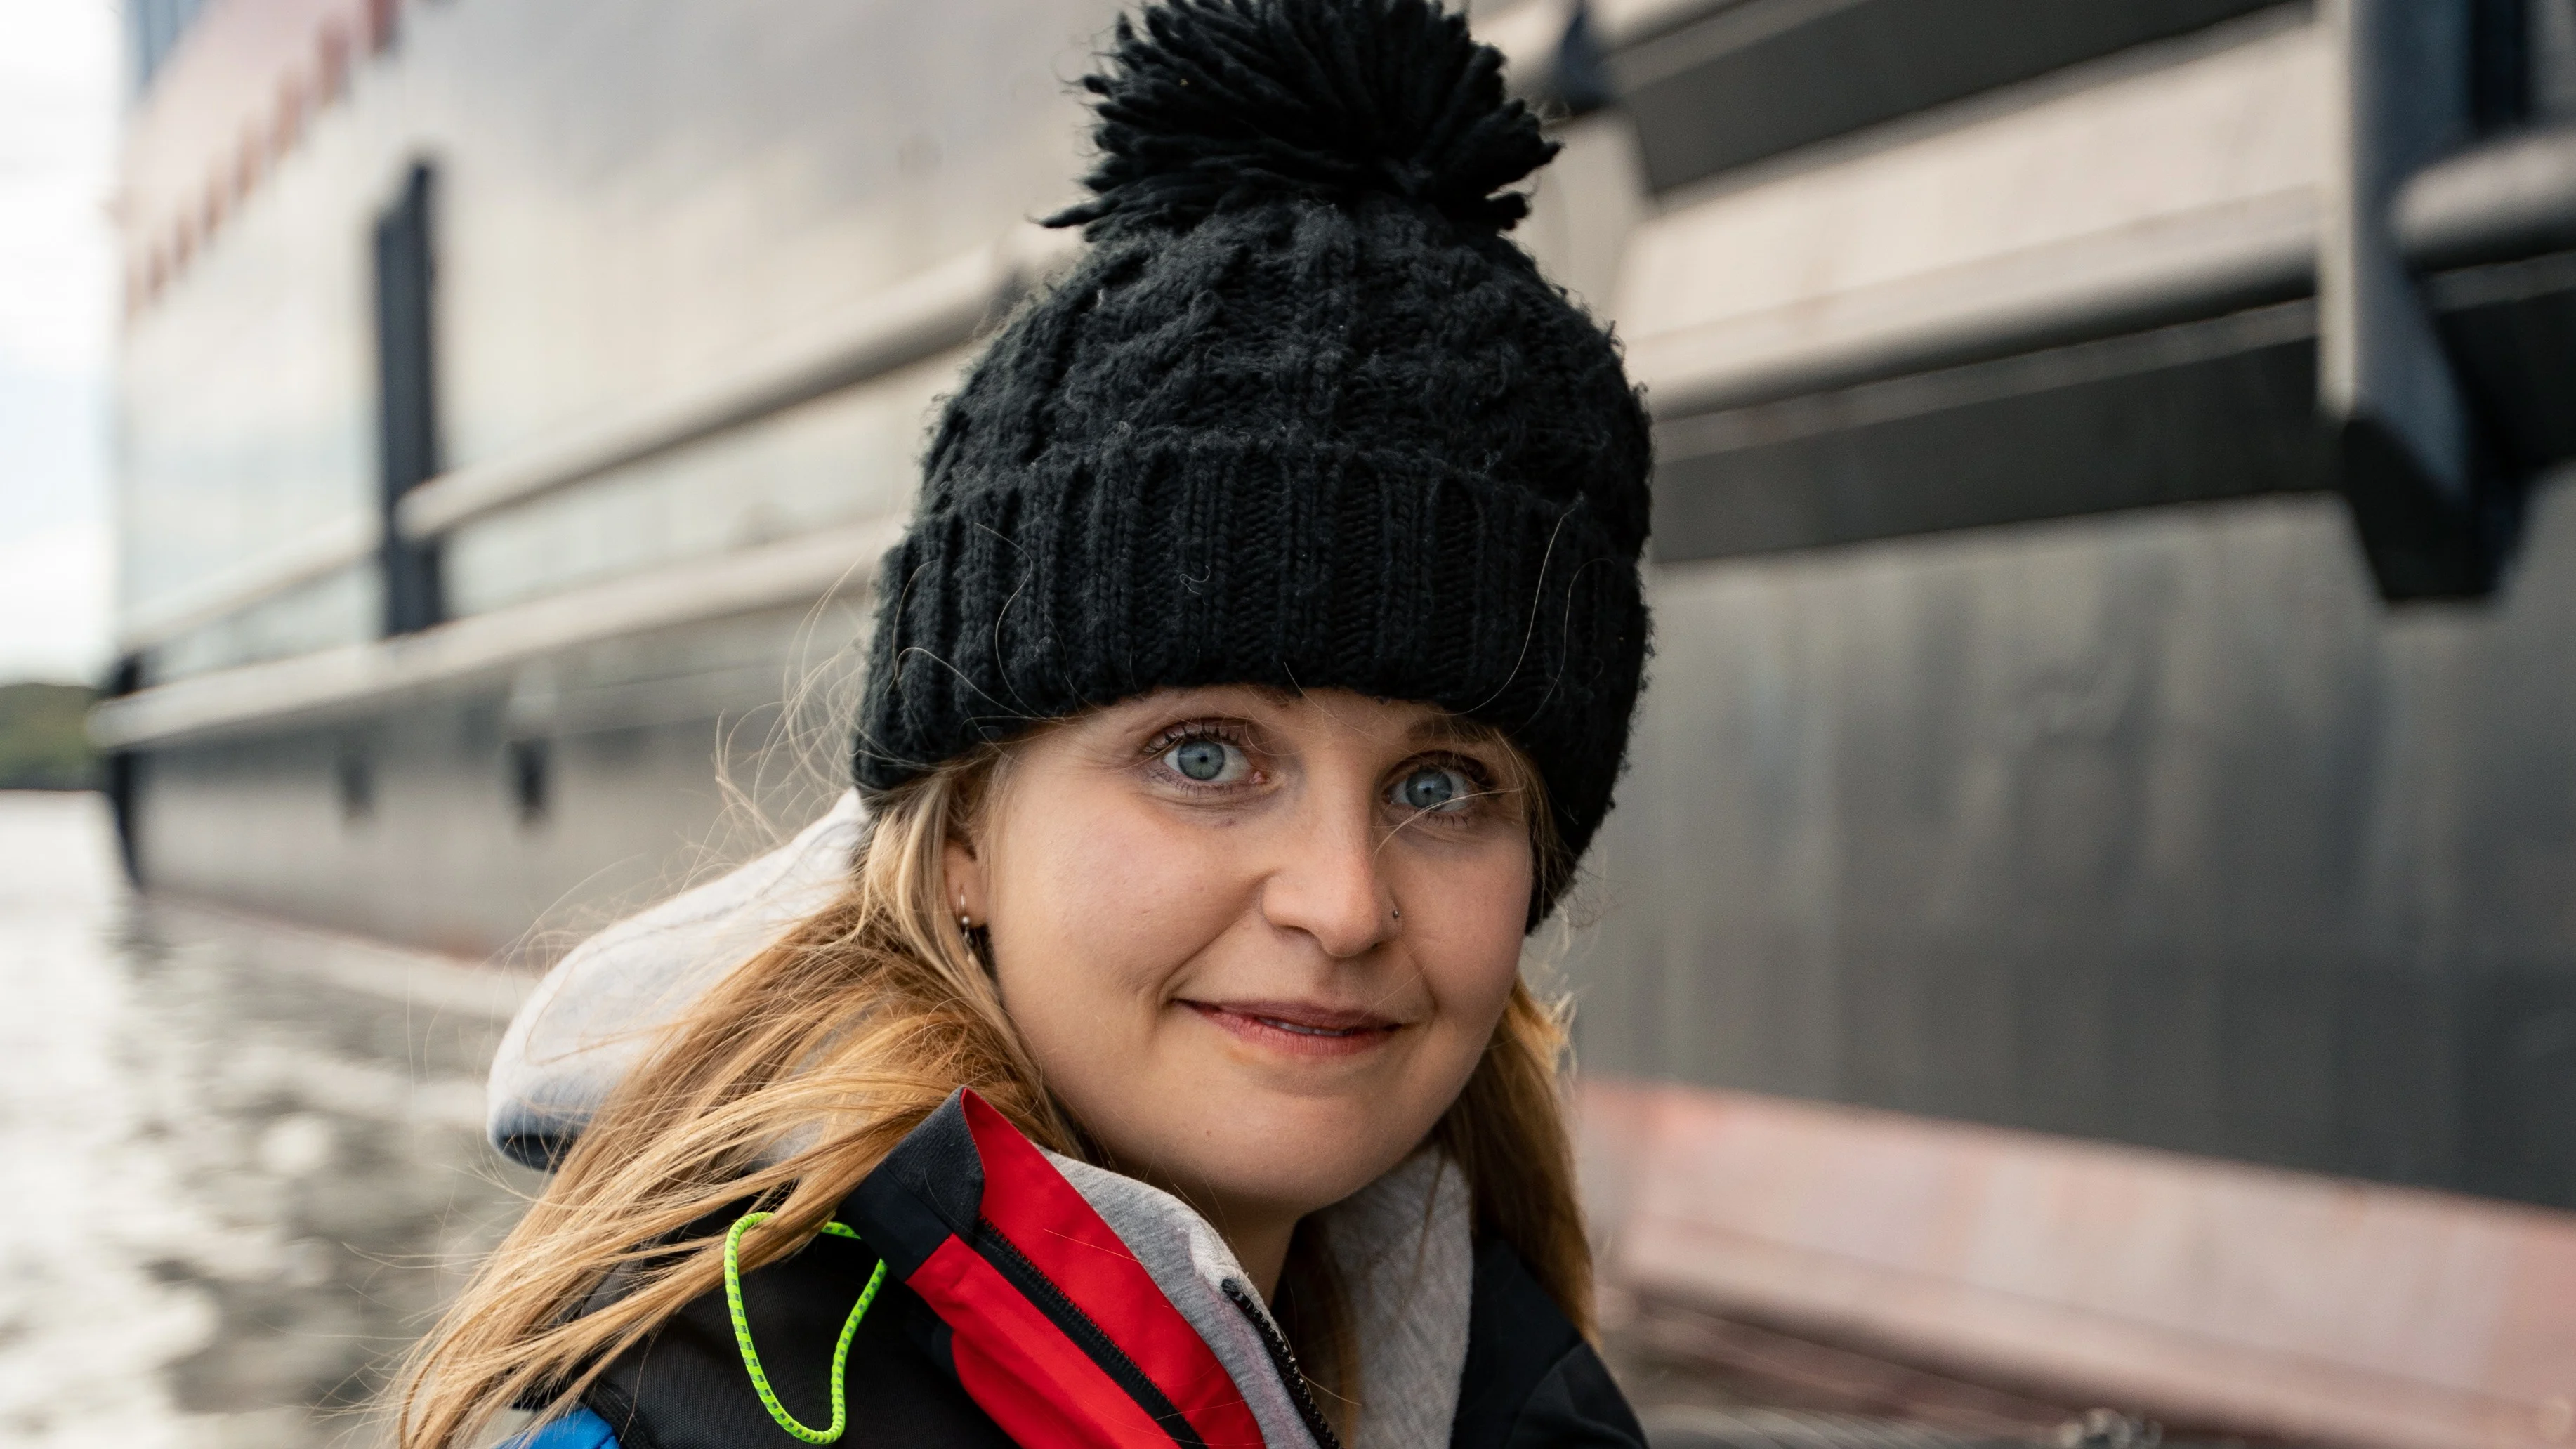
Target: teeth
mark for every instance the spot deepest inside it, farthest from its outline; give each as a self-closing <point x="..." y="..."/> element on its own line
<point x="1306" y="1030"/>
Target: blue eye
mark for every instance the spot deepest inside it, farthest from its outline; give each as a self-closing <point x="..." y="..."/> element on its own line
<point x="1431" y="787"/>
<point x="1207" y="761"/>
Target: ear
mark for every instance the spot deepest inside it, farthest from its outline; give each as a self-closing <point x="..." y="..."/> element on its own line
<point x="965" y="884"/>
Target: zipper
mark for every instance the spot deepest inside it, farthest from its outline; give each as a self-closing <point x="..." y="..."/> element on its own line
<point x="1079" y="1326"/>
<point x="1284" y="1359"/>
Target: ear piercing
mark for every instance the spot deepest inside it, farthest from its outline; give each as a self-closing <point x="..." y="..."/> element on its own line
<point x="963" y="923"/>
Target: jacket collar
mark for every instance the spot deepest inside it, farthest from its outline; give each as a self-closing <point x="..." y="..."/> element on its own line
<point x="1084" y="1307"/>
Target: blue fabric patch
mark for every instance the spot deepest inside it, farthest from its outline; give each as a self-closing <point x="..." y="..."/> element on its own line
<point x="580" y="1429"/>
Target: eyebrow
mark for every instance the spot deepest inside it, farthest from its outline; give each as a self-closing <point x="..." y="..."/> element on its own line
<point x="1449" y="729"/>
<point x="1437" y="728"/>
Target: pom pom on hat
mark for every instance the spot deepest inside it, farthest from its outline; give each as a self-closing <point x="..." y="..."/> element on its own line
<point x="1214" y="103"/>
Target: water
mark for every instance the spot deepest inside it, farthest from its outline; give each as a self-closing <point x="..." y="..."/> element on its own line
<point x="240" y="1165"/>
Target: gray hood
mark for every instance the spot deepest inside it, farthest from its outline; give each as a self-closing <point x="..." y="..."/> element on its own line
<point x="597" y="1012"/>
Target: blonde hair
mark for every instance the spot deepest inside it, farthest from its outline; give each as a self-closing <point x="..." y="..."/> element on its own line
<point x="803" y="1068"/>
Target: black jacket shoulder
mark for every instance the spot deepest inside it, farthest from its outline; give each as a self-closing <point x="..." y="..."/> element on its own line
<point x="685" y="1387"/>
<point x="1531" y="1381"/>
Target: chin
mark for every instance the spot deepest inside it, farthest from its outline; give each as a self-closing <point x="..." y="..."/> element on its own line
<point x="1296" y="1153"/>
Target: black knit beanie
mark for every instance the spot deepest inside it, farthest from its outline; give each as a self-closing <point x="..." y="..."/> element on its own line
<point x="1299" y="416"/>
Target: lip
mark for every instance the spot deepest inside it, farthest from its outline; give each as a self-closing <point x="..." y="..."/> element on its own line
<point x="1299" y="1028"/>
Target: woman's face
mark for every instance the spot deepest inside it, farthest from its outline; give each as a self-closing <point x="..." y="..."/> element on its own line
<point x="1256" y="941"/>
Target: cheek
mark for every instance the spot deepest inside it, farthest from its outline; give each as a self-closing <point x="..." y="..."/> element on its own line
<point x="1094" y="908"/>
<point x="1468" y="949"/>
<point x="1471" y="973"/>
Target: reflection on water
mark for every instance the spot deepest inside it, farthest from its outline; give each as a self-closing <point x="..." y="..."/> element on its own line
<point x="242" y="1164"/>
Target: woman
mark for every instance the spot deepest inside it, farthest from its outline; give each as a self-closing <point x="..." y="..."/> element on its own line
<point x="1259" y="660"/>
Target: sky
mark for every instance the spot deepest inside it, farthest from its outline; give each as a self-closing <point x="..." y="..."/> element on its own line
<point x="58" y="109"/>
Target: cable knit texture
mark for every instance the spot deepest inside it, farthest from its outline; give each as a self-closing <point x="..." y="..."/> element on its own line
<point x="1301" y="415"/>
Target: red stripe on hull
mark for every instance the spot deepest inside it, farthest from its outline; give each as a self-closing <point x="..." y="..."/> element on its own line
<point x="2250" y="1299"/>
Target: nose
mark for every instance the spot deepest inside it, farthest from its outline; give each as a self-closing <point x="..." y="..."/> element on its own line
<point x="1327" y="883"/>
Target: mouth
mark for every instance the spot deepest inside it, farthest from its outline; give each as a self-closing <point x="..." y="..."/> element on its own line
<point x="1301" y="1028"/>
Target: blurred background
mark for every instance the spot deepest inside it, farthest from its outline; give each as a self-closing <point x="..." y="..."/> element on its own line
<point x="2087" y="949"/>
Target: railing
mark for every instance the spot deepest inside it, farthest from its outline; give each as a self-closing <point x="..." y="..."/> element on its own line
<point x="930" y="313"/>
<point x="804" y="570"/>
<point x="915" y="319"/>
<point x="919" y="318"/>
<point x="315" y="554"/>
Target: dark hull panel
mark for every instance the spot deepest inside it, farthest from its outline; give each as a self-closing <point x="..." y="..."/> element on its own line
<point x="2155" y="827"/>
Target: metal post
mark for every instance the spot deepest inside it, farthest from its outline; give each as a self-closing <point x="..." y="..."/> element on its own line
<point x="407" y="395"/>
<point x="2408" y="458"/>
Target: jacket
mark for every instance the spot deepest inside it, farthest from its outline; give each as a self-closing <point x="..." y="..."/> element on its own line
<point x="1027" y="1299"/>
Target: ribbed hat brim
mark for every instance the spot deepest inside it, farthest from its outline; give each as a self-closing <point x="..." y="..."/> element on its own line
<point x="1180" y="557"/>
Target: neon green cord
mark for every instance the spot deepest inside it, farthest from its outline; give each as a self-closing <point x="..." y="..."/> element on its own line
<point x="751" y="1356"/>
